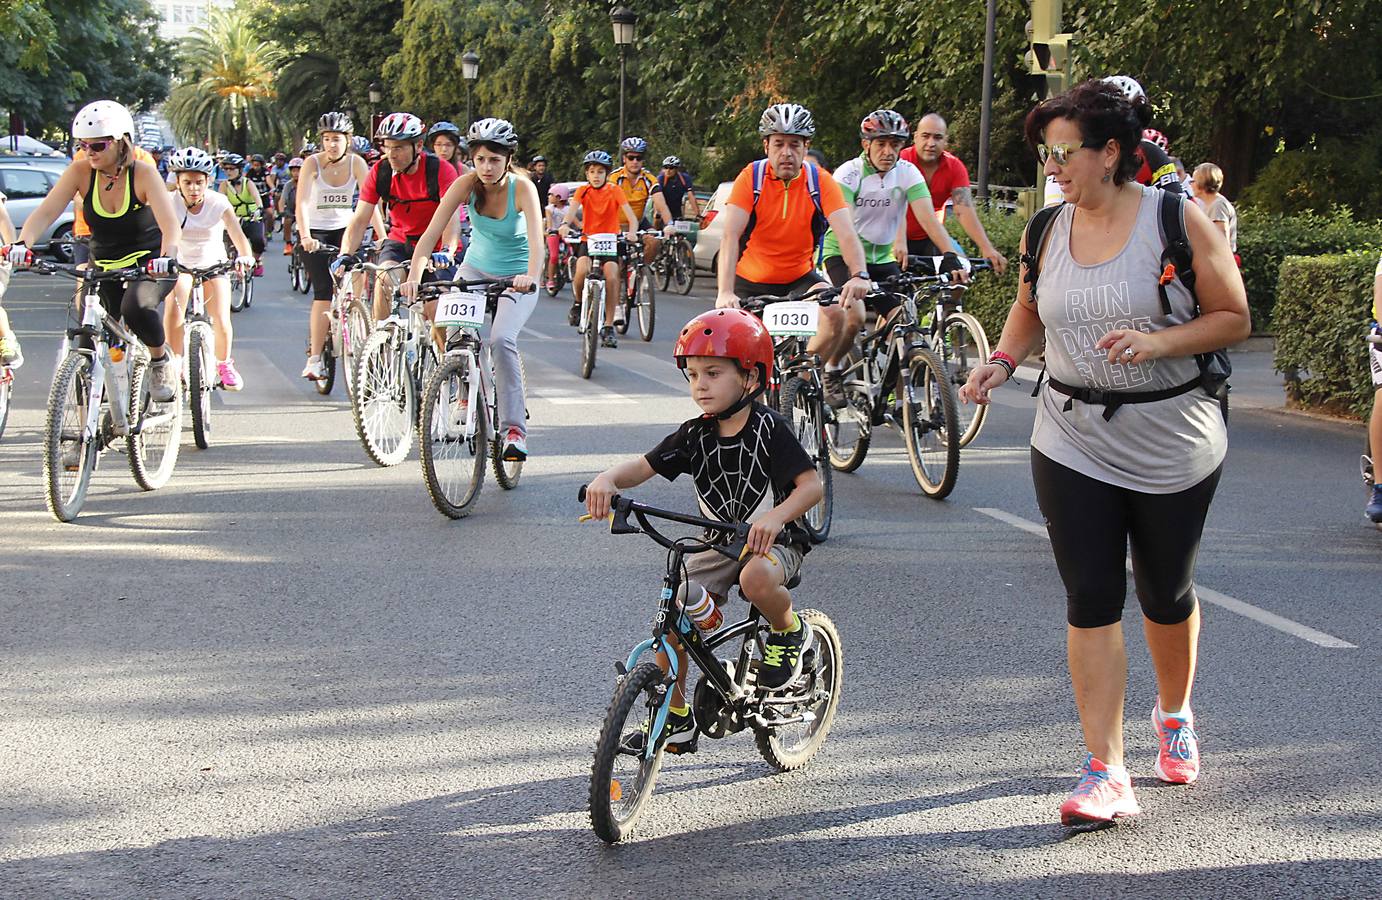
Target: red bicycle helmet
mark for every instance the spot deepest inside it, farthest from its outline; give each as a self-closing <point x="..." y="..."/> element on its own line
<point x="729" y="333"/>
<point x="1156" y="137"/>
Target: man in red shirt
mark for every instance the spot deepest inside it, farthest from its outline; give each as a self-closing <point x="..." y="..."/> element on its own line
<point x="948" y="180"/>
<point x="410" y="184"/>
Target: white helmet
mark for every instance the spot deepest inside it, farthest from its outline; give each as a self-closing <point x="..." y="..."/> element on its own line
<point x="1128" y="85"/>
<point x="192" y="159"/>
<point x="103" y="118"/>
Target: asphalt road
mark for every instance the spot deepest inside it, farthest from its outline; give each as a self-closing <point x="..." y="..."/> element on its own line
<point x="284" y="674"/>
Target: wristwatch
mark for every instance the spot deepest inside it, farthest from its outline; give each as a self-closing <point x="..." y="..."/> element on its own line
<point x="864" y="275"/>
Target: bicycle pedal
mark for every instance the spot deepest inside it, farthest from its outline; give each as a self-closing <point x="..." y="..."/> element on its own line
<point x="683" y="748"/>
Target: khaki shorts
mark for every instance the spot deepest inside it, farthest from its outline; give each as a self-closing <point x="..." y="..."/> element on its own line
<point x="718" y="574"/>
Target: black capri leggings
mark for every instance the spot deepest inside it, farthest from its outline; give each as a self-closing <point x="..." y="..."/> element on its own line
<point x="254" y="231"/>
<point x="137" y="305"/>
<point x="318" y="265"/>
<point x="1091" y="523"/>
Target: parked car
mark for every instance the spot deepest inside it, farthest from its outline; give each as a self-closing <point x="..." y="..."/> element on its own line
<point x="707" y="248"/>
<point x="25" y="185"/>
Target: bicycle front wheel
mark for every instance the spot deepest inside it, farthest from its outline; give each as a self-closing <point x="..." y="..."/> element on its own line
<point x="453" y="466"/>
<point x="383" y="403"/>
<point x="683" y="268"/>
<point x="594" y="291"/>
<point x="238" y="292"/>
<point x="622" y="778"/>
<point x="68" y="458"/>
<point x="965" y="347"/>
<point x="647" y="303"/>
<point x="155" y="433"/>
<point x="199" y="384"/>
<point x="929" y="421"/>
<point x="357" y="322"/>
<point x="801" y="404"/>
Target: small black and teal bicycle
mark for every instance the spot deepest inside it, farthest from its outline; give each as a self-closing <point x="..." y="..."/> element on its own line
<point x="790" y="724"/>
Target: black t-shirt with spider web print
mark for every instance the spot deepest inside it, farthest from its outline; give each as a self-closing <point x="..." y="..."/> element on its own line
<point x="737" y="478"/>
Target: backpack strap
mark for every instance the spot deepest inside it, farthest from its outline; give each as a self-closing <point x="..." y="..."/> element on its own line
<point x="433" y="175"/>
<point x="1176" y="255"/>
<point x="383" y="182"/>
<point x="1034" y="239"/>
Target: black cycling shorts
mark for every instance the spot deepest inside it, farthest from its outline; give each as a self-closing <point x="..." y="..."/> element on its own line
<point x="745" y="288"/>
<point x="883" y="305"/>
<point x="397" y="251"/>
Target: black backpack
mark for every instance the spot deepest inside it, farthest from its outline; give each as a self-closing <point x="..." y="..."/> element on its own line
<point x="383" y="182"/>
<point x="1176" y="258"/>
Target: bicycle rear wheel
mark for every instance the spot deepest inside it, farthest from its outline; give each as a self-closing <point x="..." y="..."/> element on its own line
<point x="453" y="467"/>
<point x="928" y="420"/>
<point x="622" y="777"/>
<point x="803" y="407"/>
<point x="684" y="268"/>
<point x="789" y="747"/>
<point x="65" y="488"/>
<point x="199" y="385"/>
<point x="327" y="381"/>
<point x="238" y="292"/>
<point x="647" y="303"/>
<point x="965" y="347"/>
<point x="507" y="471"/>
<point x="848" y="431"/>
<point x="662" y="267"/>
<point x="155" y="431"/>
<point x="383" y="403"/>
<point x="6" y="393"/>
<point x="594" y="291"/>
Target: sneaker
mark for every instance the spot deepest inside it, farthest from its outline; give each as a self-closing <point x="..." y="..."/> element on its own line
<point x="287" y="249"/>
<point x="1098" y="797"/>
<point x="607" y="338"/>
<point x="515" y="446"/>
<point x="230" y="378"/>
<point x="619" y="315"/>
<point x="163" y="380"/>
<point x="1373" y="512"/>
<point x="259" y="270"/>
<point x="10" y="353"/>
<point x="678" y="734"/>
<point x="551" y="287"/>
<point x="573" y="315"/>
<point x="1178" y="757"/>
<point x="833" y="382"/>
<point x="782" y="655"/>
<point x="72" y="455"/>
<point x="315" y="370"/>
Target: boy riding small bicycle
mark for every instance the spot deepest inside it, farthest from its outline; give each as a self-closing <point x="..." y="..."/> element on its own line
<point x="747" y="466"/>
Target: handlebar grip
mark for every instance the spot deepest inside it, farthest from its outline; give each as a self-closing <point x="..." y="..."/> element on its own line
<point x="580" y="495"/>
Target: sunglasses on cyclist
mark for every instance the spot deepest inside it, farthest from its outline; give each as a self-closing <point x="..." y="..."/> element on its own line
<point x="633" y="156"/>
<point x="94" y="146"/>
<point x="1061" y="153"/>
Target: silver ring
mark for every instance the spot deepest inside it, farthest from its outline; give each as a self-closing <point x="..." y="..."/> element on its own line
<point x="1129" y="353"/>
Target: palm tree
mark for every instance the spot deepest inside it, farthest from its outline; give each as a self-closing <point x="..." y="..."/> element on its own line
<point x="308" y="85"/>
<point x="230" y="98"/>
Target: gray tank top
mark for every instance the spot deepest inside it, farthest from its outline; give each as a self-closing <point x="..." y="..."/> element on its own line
<point x="1160" y="447"/>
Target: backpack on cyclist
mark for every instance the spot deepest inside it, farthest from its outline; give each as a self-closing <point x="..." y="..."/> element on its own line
<point x="1176" y="258"/>
<point x="384" y="182"/>
<point x="819" y="223"/>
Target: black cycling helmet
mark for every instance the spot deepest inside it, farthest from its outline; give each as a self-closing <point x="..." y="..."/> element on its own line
<point x="497" y="133"/>
<point x="597" y="158"/>
<point x="633" y="145"/>
<point x="884" y="123"/>
<point x="787" y="118"/>
<point x="442" y="128"/>
<point x="336" y="121"/>
<point x="258" y="157"/>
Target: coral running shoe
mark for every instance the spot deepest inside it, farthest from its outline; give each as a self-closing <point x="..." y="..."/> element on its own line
<point x="230" y="378"/>
<point x="1178" y="757"/>
<point x="1098" y="797"/>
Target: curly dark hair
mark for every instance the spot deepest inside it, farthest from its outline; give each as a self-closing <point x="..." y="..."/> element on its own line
<point x="1102" y="113"/>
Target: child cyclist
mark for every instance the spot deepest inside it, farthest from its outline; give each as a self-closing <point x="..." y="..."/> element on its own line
<point x="598" y="203"/>
<point x="557" y="208"/>
<point x="207" y="217"/>
<point x="747" y="466"/>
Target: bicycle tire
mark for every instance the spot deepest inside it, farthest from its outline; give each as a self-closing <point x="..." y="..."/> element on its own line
<point x="928" y="419"/>
<point x="383" y="401"/>
<point x="153" y="441"/>
<point x="327" y="381"/>
<point x="684" y="273"/>
<point x="849" y="431"/>
<point x="961" y="355"/>
<point x="803" y="407"/>
<point x="65" y="492"/>
<point x="439" y="445"/>
<point x="6" y="396"/>
<point x="613" y="815"/>
<point x="507" y="472"/>
<point x="237" y="289"/>
<point x="647" y="303"/>
<point x="357" y="325"/>
<point x="594" y="289"/>
<point x="828" y="667"/>
<point x="198" y="390"/>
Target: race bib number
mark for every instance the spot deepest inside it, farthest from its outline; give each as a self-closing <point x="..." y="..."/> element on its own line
<point x="797" y="318"/>
<point x="460" y="309"/>
<point x="335" y="200"/>
<point x="603" y="244"/>
<point x="684" y="226"/>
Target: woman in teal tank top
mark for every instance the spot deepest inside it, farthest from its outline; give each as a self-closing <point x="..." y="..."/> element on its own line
<point x="505" y="241"/>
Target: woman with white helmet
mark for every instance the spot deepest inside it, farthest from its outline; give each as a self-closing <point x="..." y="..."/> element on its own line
<point x="208" y="217"/>
<point x="133" y="222"/>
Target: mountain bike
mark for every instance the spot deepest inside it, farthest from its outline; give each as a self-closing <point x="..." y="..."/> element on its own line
<point x="676" y="263"/>
<point x="636" y="283"/>
<point x="956" y="335"/>
<point x="199" y="351"/>
<point x="100" y="395"/>
<point x="894" y="377"/>
<point x="297" y="272"/>
<point x="241" y="282"/>
<point x="562" y="272"/>
<point x="600" y="248"/>
<point x="789" y="724"/>
<point x="350" y="323"/>
<point x="459" y="425"/>
<point x="795" y="389"/>
<point x="395" y="361"/>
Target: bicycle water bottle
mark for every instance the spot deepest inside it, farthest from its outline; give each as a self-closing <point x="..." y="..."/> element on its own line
<point x="120" y="369"/>
<point x="703" y="612"/>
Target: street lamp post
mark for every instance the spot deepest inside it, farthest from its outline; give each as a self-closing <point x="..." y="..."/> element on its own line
<point x="470" y="70"/>
<point x="376" y="97"/>
<point x="624" y="21"/>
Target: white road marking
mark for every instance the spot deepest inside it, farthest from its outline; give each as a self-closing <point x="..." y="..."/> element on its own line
<point x="1208" y="595"/>
<point x="592" y="400"/>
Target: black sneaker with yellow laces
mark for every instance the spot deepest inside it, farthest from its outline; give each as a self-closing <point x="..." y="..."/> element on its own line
<point x="678" y="733"/>
<point x="782" y="653"/>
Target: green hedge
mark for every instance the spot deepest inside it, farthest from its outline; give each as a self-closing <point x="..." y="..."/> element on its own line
<point x="992" y="295"/>
<point x="1324" y="305"/>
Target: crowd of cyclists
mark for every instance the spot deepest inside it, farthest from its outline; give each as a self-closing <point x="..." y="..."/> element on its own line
<point x="1130" y="275"/>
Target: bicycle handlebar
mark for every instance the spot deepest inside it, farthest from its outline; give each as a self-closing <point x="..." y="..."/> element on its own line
<point x="77" y="273"/>
<point x="827" y="297"/>
<point x="622" y="507"/>
<point x="492" y="285"/>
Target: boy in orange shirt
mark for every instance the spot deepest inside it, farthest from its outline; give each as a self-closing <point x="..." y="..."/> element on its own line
<point x="597" y="204"/>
